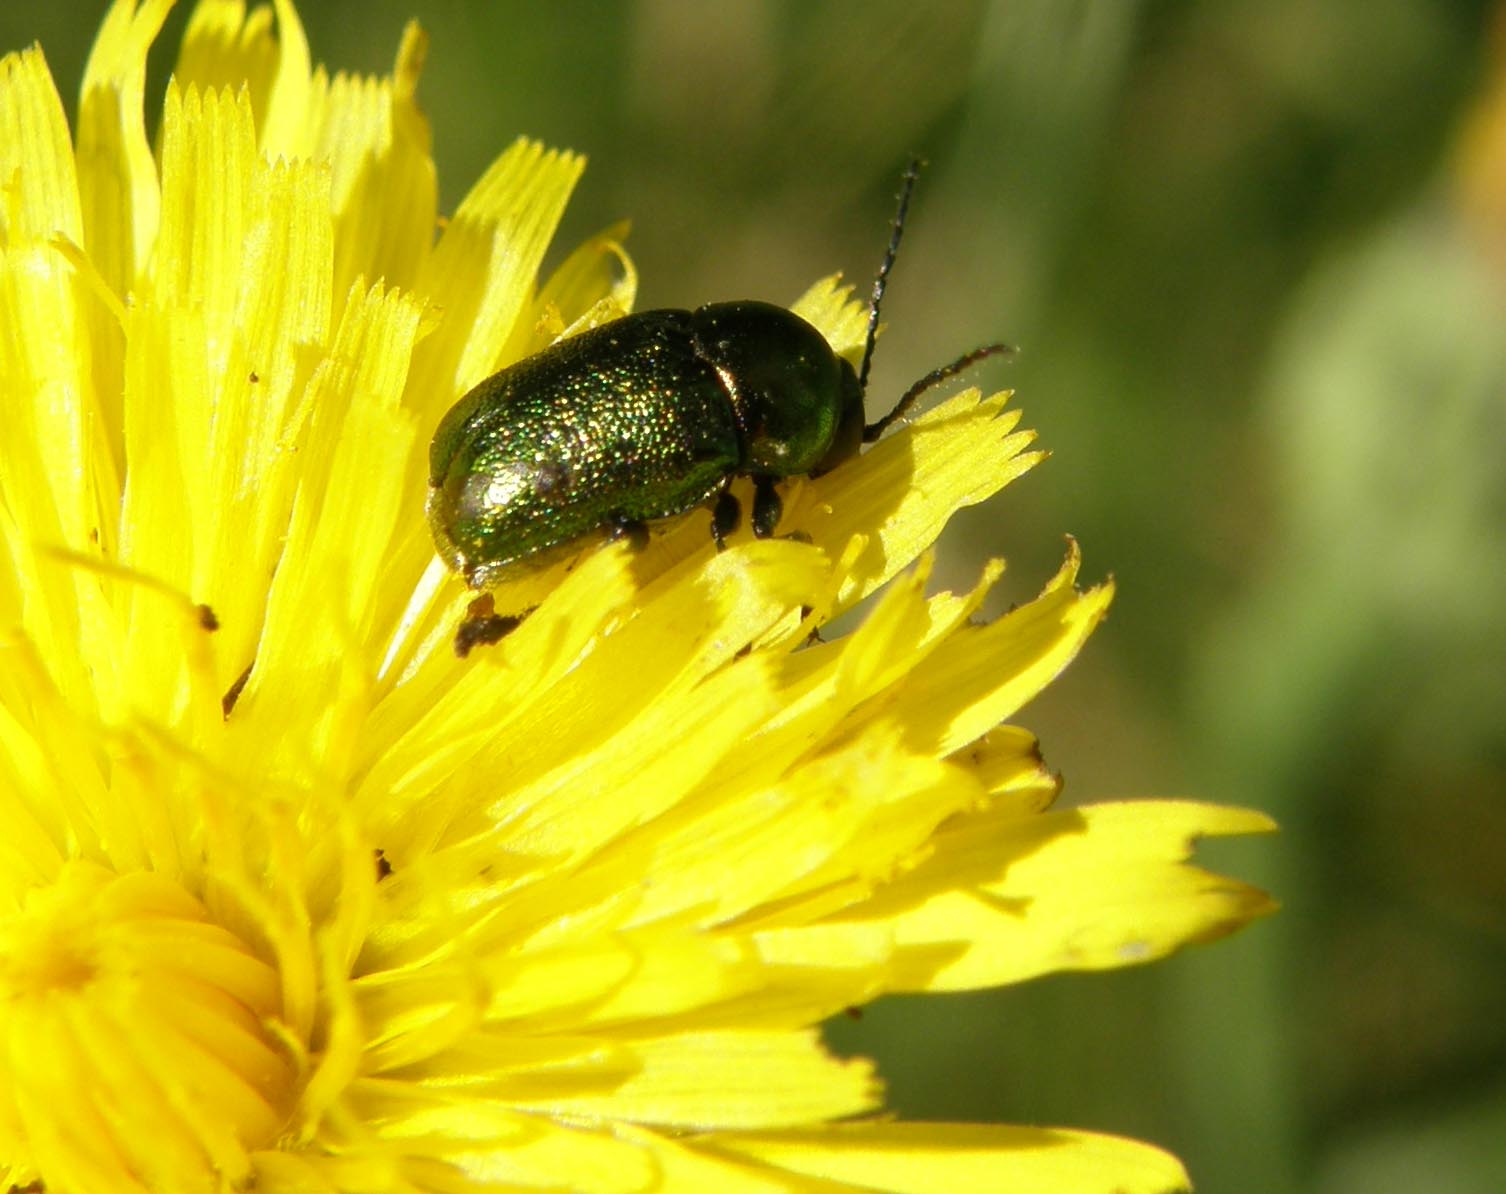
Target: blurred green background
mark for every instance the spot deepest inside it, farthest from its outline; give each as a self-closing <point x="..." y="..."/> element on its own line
<point x="1256" y="270"/>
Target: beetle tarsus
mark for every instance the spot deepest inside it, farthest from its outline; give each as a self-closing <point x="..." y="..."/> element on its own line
<point x="767" y="507"/>
<point x="482" y="626"/>
<point x="483" y="632"/>
<point x="725" y="516"/>
<point x="634" y="530"/>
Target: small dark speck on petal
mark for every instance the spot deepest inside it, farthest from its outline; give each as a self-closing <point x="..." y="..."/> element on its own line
<point x="233" y="693"/>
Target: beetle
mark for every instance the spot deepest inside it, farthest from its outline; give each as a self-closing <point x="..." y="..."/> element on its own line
<point x="645" y="418"/>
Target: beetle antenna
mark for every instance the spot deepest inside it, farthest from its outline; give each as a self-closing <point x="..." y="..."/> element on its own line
<point x="896" y="231"/>
<point x="935" y="377"/>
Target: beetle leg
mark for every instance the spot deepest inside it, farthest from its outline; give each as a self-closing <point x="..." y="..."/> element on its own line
<point x="725" y="516"/>
<point x="767" y="507"/>
<point x="482" y="626"/>
<point x="634" y="530"/>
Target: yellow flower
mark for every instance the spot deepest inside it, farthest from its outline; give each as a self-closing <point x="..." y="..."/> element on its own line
<point x="293" y="899"/>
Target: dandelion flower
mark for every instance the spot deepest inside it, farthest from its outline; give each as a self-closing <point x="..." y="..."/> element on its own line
<point x="294" y="899"/>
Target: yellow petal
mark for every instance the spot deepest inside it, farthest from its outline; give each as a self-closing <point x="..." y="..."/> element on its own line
<point x="1007" y="762"/>
<point x="983" y="674"/>
<point x="282" y="125"/>
<point x="761" y="1080"/>
<point x="852" y="812"/>
<point x="57" y="457"/>
<point x="383" y="183"/>
<point x="45" y="351"/>
<point x="438" y="723"/>
<point x="225" y="46"/>
<point x="37" y="179"/>
<point x="486" y="1146"/>
<point x="324" y="597"/>
<point x="1004" y="899"/>
<point x="572" y="301"/>
<point x="242" y="283"/>
<point x="681" y="1167"/>
<point x="906" y="487"/>
<point x="828" y="306"/>
<point x="117" y="174"/>
<point x="925" y="1158"/>
<point x="483" y="268"/>
<point x="672" y="644"/>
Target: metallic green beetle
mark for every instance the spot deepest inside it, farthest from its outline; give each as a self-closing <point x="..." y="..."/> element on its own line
<point x="645" y="418"/>
<point x="640" y="419"/>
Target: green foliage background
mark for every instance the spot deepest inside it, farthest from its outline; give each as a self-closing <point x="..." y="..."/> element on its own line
<point x="1266" y="350"/>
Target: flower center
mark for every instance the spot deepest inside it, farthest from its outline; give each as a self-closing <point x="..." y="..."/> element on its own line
<point x="134" y="1048"/>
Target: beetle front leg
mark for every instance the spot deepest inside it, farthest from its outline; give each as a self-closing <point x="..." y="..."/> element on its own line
<point x="483" y="626"/>
<point x="634" y="530"/>
<point x="767" y="507"/>
<point x="725" y="516"/>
